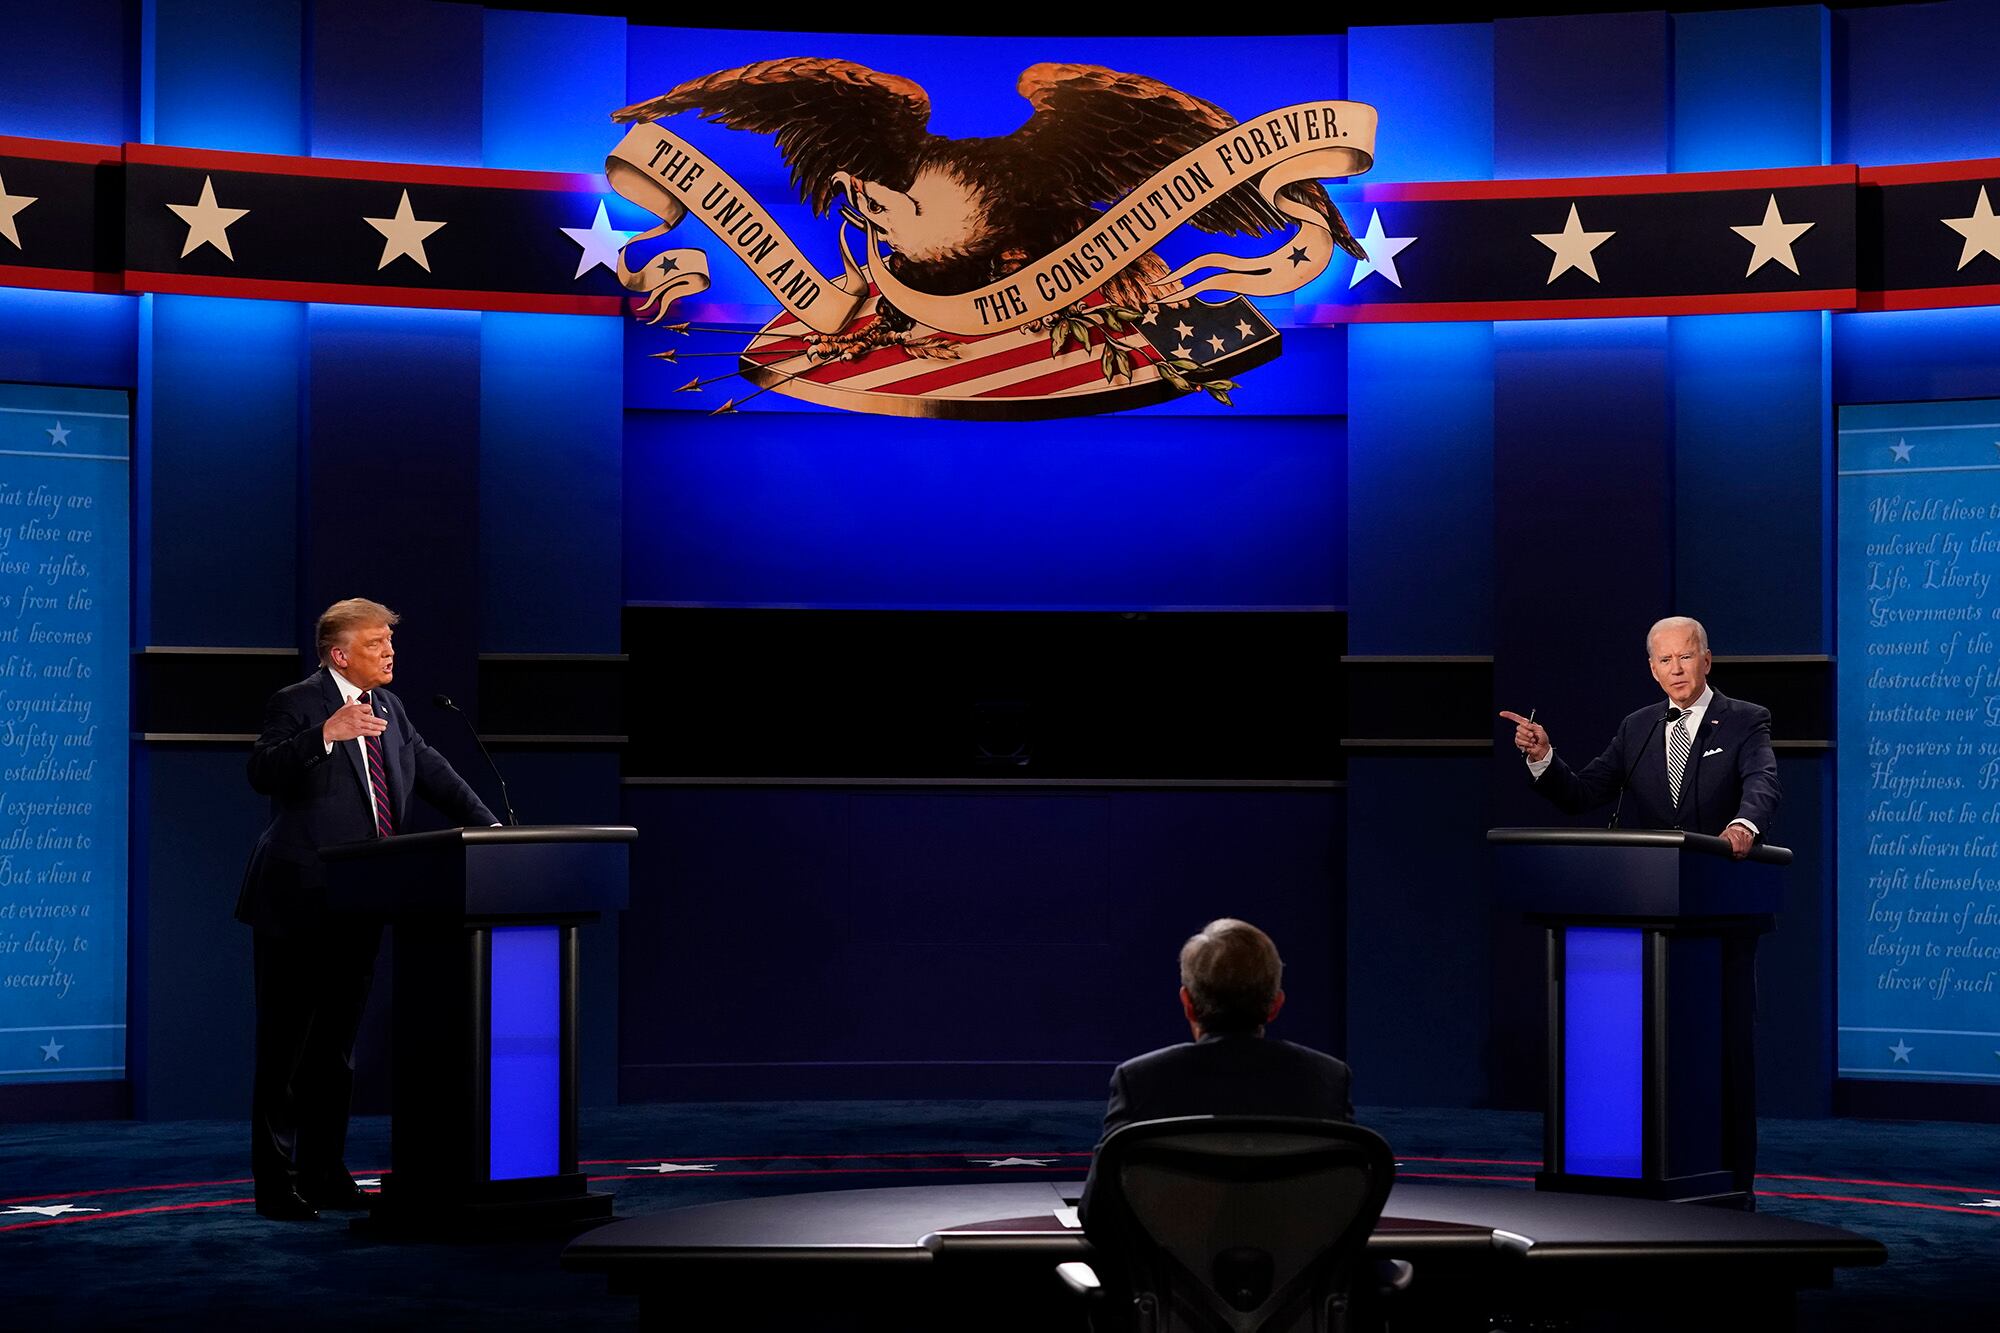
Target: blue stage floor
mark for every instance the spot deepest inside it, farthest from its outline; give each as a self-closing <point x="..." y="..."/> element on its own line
<point x="117" y="1224"/>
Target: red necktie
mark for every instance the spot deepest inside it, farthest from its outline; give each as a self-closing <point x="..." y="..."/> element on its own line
<point x="378" y="778"/>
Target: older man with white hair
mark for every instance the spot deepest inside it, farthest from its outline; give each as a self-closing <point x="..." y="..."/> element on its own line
<point x="1703" y="763"/>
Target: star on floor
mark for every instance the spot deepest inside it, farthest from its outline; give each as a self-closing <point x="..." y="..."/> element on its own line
<point x="1573" y="246"/>
<point x="1184" y="352"/>
<point x="52" y="1051"/>
<point x="1013" y="1161"/>
<point x="403" y="235"/>
<point x="1152" y="315"/>
<point x="1215" y="342"/>
<point x="370" y="1182"/>
<point x="208" y="222"/>
<point x="1901" y="1051"/>
<point x="1902" y="455"/>
<point x="1985" y="1203"/>
<point x="668" y="1168"/>
<point x="1771" y="239"/>
<point x="58" y="435"/>
<point x="601" y="242"/>
<point x="1182" y="329"/>
<point x="1981" y="231"/>
<point x="10" y="208"/>
<point x="1243" y="327"/>
<point x="1382" y="251"/>
<point x="47" y="1209"/>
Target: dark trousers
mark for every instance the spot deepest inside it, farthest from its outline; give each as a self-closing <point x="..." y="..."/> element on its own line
<point x="310" y="995"/>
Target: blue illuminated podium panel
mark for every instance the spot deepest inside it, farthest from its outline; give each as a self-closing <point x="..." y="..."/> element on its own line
<point x="483" y="1105"/>
<point x="1651" y="947"/>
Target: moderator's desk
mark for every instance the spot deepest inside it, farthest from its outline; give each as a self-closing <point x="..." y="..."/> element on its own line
<point x="984" y="1256"/>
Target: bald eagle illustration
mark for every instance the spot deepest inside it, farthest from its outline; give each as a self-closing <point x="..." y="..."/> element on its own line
<point x="957" y="214"/>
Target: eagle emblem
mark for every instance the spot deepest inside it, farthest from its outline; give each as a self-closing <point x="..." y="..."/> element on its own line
<point x="1004" y="277"/>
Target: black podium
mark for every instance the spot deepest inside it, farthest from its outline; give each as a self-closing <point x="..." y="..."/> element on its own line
<point x="1652" y="939"/>
<point x="483" y="1097"/>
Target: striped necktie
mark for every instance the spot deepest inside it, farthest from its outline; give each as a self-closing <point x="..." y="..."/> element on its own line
<point x="1678" y="745"/>
<point x="378" y="778"/>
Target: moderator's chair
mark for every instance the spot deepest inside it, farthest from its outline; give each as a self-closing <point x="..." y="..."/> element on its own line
<point x="1234" y="1224"/>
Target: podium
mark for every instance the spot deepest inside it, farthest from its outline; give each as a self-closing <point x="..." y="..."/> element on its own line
<point x="483" y="1071"/>
<point x="1652" y="938"/>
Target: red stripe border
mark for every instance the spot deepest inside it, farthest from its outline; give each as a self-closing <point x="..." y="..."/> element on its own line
<point x="335" y="168"/>
<point x="1686" y="182"/>
<point x="1922" y="173"/>
<point x="419" y="298"/>
<point x="1931" y="298"/>
<point x="1411" y="312"/>
<point x="62" y="279"/>
<point x="57" y="150"/>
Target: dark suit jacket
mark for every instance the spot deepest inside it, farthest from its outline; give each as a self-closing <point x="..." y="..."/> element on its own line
<point x="1226" y="1075"/>
<point x="319" y="799"/>
<point x="1731" y="772"/>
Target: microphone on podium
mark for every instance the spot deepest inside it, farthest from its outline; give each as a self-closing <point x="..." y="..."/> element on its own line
<point x="1664" y="718"/>
<point x="444" y="701"/>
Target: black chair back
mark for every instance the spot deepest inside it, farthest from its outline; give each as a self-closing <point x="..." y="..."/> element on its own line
<point x="1237" y="1224"/>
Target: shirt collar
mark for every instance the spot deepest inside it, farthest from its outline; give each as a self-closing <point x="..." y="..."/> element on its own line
<point x="1700" y="705"/>
<point x="348" y="692"/>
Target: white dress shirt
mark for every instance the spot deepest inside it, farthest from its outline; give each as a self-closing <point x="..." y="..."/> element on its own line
<point x="1692" y="721"/>
<point x="348" y="694"/>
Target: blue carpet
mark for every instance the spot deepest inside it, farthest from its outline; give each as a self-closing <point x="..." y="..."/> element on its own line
<point x="173" y="1242"/>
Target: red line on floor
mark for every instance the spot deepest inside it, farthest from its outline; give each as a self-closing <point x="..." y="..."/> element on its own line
<point x="1885" y="1203"/>
<point x="1446" y="1175"/>
<point x="1884" y="1184"/>
<point x="824" y="1157"/>
<point x="122" y="1212"/>
<point x="147" y="1189"/>
<point x="835" y="1171"/>
<point x="1471" y="1161"/>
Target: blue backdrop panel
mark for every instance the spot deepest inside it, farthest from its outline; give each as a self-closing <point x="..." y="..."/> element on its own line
<point x="882" y="512"/>
<point x="552" y="82"/>
<point x="224" y="75"/>
<point x="1553" y="77"/>
<point x="1751" y="89"/>
<point x="549" y="476"/>
<point x="1920" y="742"/>
<point x="1419" y="922"/>
<point x="68" y="71"/>
<point x="68" y="338"/>
<point x="65" y="604"/>
<point x="220" y="464"/>
<point x="1752" y="483"/>
<point x="945" y="943"/>
<point x="1914" y="83"/>
<point x="1891" y="355"/>
<point x="1420" y="486"/>
<point x="1434" y="88"/>
<point x="396" y="81"/>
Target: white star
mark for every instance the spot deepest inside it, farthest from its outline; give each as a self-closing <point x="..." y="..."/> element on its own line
<point x="1382" y="251"/>
<point x="1901" y="1052"/>
<point x="1184" y="330"/>
<point x="47" y="1210"/>
<point x="1243" y="327"/>
<point x="10" y="207"/>
<point x="403" y="235"/>
<point x="1981" y="231"/>
<point x="375" y="1181"/>
<point x="59" y="435"/>
<point x="1152" y="315"/>
<point x="208" y="222"/>
<point x="1215" y="342"/>
<point x="600" y="241"/>
<point x="52" y="1051"/>
<point x="1573" y="246"/>
<point x="1902" y="455"/>
<point x="668" y="1168"/>
<point x="1184" y="352"/>
<point x="1013" y="1161"/>
<point x="1772" y="239"/>
<point x="1985" y="1203"/>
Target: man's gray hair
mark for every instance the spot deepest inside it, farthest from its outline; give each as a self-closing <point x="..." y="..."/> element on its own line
<point x="1674" y="623"/>
<point x="1231" y="971"/>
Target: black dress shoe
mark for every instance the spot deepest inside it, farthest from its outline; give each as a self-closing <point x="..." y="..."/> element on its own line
<point x="342" y="1196"/>
<point x="287" y="1207"/>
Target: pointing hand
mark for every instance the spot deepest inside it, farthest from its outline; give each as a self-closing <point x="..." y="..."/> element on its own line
<point x="1530" y="738"/>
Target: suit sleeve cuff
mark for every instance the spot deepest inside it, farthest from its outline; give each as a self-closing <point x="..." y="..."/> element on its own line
<point x="1538" y="767"/>
<point x="1755" y="832"/>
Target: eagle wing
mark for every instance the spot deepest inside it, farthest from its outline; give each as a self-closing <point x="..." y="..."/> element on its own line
<point x="1100" y="133"/>
<point x="828" y="116"/>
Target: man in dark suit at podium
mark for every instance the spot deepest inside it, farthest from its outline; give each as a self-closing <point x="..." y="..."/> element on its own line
<point x="1230" y="976"/>
<point x="1713" y="771"/>
<point x="339" y="760"/>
